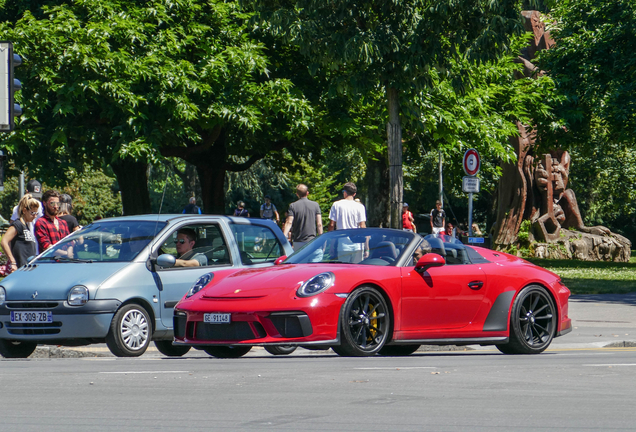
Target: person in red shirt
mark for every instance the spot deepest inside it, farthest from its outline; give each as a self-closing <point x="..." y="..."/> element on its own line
<point x="408" y="223"/>
<point x="50" y="229"/>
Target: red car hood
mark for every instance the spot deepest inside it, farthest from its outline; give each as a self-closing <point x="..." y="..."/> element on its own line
<point x="261" y="282"/>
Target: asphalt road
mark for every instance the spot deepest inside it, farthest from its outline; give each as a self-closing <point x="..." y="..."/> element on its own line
<point x="560" y="390"/>
<point x="579" y="384"/>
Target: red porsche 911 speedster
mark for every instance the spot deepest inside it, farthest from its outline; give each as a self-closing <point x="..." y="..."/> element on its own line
<point x="376" y="291"/>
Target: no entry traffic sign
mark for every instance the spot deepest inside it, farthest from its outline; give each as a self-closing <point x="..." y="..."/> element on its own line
<point x="472" y="162"/>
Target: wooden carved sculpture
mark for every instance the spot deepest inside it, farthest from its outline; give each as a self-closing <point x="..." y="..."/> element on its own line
<point x="535" y="188"/>
<point x="559" y="208"/>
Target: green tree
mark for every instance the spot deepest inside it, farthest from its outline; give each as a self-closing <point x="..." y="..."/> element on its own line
<point x="392" y="47"/>
<point x="130" y="82"/>
<point x="593" y="66"/>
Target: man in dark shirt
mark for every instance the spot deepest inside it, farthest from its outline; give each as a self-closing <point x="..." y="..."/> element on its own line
<point x="49" y="229"/>
<point x="438" y="218"/>
<point x="304" y="218"/>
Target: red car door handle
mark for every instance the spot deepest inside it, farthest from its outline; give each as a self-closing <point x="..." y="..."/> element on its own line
<point x="475" y="285"/>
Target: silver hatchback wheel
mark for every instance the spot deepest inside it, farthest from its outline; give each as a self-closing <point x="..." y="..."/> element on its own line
<point x="134" y="330"/>
<point x="130" y="331"/>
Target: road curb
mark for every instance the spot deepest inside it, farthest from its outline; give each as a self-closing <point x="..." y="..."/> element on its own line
<point x="623" y="344"/>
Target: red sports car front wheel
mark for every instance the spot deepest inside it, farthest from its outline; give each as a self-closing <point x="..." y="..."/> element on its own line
<point x="364" y="323"/>
<point x="532" y="322"/>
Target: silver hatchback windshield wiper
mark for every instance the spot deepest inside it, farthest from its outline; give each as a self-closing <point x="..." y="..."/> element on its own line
<point x="67" y="259"/>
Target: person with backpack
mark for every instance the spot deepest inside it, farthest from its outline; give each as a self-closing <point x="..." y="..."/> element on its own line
<point x="192" y="207"/>
<point x="268" y="210"/>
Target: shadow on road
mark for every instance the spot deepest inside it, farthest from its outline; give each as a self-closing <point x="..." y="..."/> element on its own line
<point x="625" y="299"/>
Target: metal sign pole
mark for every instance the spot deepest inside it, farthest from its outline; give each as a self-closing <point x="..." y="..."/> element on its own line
<point x="441" y="181"/>
<point x="470" y="214"/>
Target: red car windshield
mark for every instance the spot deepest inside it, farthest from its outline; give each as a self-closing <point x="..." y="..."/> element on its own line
<point x="367" y="246"/>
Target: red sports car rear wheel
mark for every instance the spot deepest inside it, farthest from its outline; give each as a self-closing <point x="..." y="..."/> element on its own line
<point x="532" y="322"/>
<point x="364" y="323"/>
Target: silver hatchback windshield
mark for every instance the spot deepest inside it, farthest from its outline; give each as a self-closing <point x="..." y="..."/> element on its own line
<point x="117" y="241"/>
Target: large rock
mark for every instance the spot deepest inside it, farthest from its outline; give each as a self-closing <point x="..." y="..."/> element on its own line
<point x="586" y="247"/>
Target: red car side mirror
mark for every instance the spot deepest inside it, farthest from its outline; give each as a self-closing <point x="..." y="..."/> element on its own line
<point x="280" y="260"/>
<point x="429" y="260"/>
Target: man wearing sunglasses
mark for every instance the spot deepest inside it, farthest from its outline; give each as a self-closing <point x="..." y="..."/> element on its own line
<point x="49" y="229"/>
<point x="186" y="238"/>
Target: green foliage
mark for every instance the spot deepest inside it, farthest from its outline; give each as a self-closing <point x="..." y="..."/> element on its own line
<point x="94" y="196"/>
<point x="523" y="236"/>
<point x="593" y="277"/>
<point x="110" y="79"/>
<point x="370" y="44"/>
<point x="592" y="64"/>
<point x="604" y="180"/>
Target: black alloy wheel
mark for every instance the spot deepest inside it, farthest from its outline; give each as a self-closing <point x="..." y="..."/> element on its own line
<point x="166" y="348"/>
<point x="364" y="323"/>
<point x="231" y="351"/>
<point x="15" y="349"/>
<point x="280" y="349"/>
<point x="532" y="322"/>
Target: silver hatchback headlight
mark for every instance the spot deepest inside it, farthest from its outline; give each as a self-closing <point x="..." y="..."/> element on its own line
<point x="78" y="295"/>
<point x="3" y="295"/>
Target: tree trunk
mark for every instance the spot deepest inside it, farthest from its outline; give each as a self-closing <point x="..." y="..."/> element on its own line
<point x="394" y="143"/>
<point x="132" y="177"/>
<point x="378" y="191"/>
<point x="212" y="178"/>
<point x="191" y="183"/>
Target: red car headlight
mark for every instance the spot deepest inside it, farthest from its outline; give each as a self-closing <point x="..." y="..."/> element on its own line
<point x="316" y="284"/>
<point x="200" y="283"/>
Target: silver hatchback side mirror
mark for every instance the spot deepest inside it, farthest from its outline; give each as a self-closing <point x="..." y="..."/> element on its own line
<point x="166" y="261"/>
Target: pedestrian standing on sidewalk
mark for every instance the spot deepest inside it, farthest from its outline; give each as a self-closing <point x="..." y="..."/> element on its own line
<point x="268" y="210"/>
<point x="34" y="188"/>
<point x="50" y="229"/>
<point x="348" y="214"/>
<point x="66" y="207"/>
<point x="18" y="242"/>
<point x="192" y="207"/>
<point x="408" y="223"/>
<point x="240" y="210"/>
<point x="438" y="218"/>
<point x="304" y="219"/>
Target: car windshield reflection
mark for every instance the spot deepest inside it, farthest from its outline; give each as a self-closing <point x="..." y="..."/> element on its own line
<point x="356" y="246"/>
<point x="105" y="242"/>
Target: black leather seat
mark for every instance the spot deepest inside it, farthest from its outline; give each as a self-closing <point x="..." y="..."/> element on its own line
<point x="384" y="249"/>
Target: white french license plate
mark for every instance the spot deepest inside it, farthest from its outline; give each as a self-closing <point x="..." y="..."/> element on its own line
<point x="31" y="317"/>
<point x="216" y="318"/>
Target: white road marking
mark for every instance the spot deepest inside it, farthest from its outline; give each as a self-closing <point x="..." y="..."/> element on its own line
<point x="611" y="364"/>
<point x="395" y="368"/>
<point x="145" y="372"/>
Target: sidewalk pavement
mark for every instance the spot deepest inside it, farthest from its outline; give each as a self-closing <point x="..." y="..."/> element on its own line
<point x="604" y="320"/>
<point x="600" y="320"/>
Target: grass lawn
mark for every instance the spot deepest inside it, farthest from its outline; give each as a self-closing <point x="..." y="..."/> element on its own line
<point x="591" y="277"/>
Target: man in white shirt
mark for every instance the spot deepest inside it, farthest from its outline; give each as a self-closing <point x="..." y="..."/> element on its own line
<point x="348" y="214"/>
